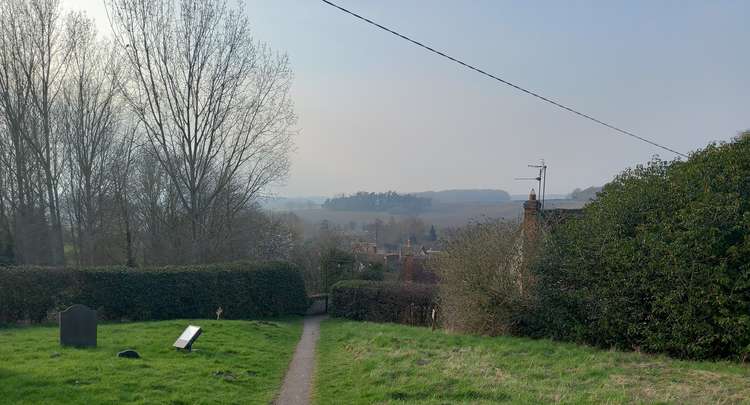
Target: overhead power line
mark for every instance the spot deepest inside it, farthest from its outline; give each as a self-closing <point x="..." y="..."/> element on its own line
<point x="507" y="83"/>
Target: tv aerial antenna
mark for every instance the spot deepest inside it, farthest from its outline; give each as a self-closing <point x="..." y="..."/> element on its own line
<point x="541" y="178"/>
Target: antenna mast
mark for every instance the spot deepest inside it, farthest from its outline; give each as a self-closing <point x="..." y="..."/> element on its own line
<point x="541" y="179"/>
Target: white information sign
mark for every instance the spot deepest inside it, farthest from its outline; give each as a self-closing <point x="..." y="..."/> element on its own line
<point x="185" y="341"/>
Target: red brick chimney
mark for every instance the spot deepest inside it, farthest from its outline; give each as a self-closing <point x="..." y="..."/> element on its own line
<point x="531" y="215"/>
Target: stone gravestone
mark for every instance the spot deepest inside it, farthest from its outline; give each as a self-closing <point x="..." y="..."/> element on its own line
<point x="78" y="326"/>
<point x="188" y="337"/>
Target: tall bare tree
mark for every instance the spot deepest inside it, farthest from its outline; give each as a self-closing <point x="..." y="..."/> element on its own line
<point x="214" y="103"/>
<point x="122" y="174"/>
<point x="89" y="125"/>
<point x="33" y="61"/>
<point x="7" y="194"/>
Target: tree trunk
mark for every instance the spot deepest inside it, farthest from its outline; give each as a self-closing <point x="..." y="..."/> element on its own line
<point x="57" y="256"/>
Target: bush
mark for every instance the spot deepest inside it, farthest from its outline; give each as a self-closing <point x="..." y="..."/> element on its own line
<point x="375" y="301"/>
<point x="336" y="265"/>
<point x="28" y="293"/>
<point x="659" y="262"/>
<point x="243" y="290"/>
<point x="415" y="269"/>
<point x="371" y="272"/>
<point x="485" y="283"/>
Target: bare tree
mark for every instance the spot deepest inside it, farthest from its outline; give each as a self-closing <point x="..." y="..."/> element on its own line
<point x="158" y="212"/>
<point x="214" y="104"/>
<point x="89" y="124"/>
<point x="7" y="192"/>
<point x="207" y="129"/>
<point x="121" y="172"/>
<point x="15" y="105"/>
<point x="32" y="65"/>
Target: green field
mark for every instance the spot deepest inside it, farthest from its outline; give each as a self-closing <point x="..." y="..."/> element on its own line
<point x="367" y="363"/>
<point x="233" y="362"/>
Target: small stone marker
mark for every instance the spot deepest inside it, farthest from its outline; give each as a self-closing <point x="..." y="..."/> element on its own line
<point x="129" y="354"/>
<point x="78" y="326"/>
<point x="188" y="337"/>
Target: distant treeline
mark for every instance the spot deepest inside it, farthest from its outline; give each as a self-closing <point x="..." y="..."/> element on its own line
<point x="389" y="201"/>
<point x="586" y="194"/>
<point x="466" y="196"/>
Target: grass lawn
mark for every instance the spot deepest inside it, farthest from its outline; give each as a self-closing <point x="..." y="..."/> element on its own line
<point x="238" y="362"/>
<point x="367" y="363"/>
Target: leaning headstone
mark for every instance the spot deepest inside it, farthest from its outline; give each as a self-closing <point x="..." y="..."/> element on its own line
<point x="78" y="326"/>
<point x="188" y="337"/>
<point x="129" y="354"/>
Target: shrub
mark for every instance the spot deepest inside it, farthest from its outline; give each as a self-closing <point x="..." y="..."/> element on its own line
<point x="485" y="283"/>
<point x="336" y="265"/>
<point x="371" y="272"/>
<point x="660" y="261"/>
<point x="376" y="301"/>
<point x="415" y="269"/>
<point x="243" y="290"/>
<point x="28" y="293"/>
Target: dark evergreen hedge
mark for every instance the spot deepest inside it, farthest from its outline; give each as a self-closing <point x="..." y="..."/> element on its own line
<point x="243" y="290"/>
<point x="659" y="262"/>
<point x="377" y="301"/>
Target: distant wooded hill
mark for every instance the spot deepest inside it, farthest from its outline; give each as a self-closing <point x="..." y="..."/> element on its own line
<point x="413" y="202"/>
<point x="466" y="196"/>
<point x="389" y="201"/>
<point x="292" y="203"/>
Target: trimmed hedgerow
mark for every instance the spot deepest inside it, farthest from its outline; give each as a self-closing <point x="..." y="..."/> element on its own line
<point x="376" y="301"/>
<point x="28" y="293"/>
<point x="243" y="290"/>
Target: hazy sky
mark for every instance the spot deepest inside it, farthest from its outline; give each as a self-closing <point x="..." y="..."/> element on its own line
<point x="377" y="113"/>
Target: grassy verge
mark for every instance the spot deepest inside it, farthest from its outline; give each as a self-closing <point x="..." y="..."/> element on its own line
<point x="367" y="363"/>
<point x="233" y="362"/>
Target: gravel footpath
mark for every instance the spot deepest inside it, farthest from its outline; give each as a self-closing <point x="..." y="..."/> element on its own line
<point x="298" y="380"/>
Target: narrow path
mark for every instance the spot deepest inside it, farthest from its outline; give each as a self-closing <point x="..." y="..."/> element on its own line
<point x="298" y="381"/>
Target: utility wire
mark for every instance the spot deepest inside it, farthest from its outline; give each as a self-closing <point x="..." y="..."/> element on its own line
<point x="515" y="86"/>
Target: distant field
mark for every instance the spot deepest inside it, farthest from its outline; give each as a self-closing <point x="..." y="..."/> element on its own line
<point x="239" y="362"/>
<point x="441" y="215"/>
<point x="367" y="363"/>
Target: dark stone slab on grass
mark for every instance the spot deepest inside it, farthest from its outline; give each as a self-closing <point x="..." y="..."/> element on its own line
<point x="129" y="354"/>
<point x="78" y="326"/>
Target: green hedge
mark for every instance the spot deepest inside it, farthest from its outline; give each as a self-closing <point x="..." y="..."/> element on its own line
<point x="660" y="261"/>
<point x="376" y="301"/>
<point x="243" y="290"/>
